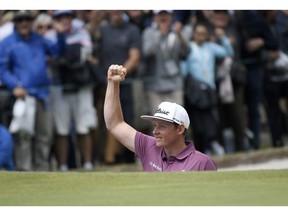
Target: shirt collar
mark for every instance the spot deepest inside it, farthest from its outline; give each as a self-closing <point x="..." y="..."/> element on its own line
<point x="190" y="149"/>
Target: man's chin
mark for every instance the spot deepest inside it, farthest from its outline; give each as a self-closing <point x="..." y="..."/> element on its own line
<point x="159" y="144"/>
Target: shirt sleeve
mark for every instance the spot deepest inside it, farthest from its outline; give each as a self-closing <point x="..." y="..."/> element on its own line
<point x="210" y="165"/>
<point x="9" y="79"/>
<point x="142" y="143"/>
<point x="139" y="151"/>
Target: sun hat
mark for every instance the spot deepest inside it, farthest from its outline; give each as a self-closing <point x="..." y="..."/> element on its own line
<point x="170" y="112"/>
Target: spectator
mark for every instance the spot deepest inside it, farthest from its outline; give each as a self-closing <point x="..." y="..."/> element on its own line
<point x="6" y="105"/>
<point x="255" y="37"/>
<point x="72" y="94"/>
<point x="43" y="23"/>
<point x="6" y="24"/>
<point x="97" y="18"/>
<point x="163" y="47"/>
<point x="276" y="84"/>
<point x="6" y="149"/>
<point x="167" y="150"/>
<point x="125" y="51"/>
<point x="141" y="18"/>
<point x="23" y="70"/>
<point x="231" y="103"/>
<point x="201" y="65"/>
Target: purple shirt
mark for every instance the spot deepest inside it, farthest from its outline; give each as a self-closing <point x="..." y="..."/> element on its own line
<point x="153" y="158"/>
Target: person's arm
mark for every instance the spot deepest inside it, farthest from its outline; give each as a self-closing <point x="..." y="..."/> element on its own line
<point x="134" y="55"/>
<point x="133" y="60"/>
<point x="113" y="115"/>
<point x="225" y="49"/>
<point x="150" y="41"/>
<point x="9" y="79"/>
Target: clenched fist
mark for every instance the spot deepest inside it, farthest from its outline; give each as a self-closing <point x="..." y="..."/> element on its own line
<point x="116" y="73"/>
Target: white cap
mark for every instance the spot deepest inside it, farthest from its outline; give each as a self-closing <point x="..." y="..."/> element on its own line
<point x="170" y="112"/>
<point x="162" y="11"/>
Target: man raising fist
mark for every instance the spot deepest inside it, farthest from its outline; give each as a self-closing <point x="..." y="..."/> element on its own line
<point x="167" y="150"/>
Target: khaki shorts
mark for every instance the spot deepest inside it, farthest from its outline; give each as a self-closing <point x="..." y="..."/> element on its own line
<point x="73" y="108"/>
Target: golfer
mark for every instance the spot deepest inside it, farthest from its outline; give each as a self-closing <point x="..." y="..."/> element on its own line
<point x="167" y="150"/>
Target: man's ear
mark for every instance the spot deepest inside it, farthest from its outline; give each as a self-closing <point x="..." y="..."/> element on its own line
<point x="181" y="129"/>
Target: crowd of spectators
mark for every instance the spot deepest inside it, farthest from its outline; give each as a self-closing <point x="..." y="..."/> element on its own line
<point x="59" y="60"/>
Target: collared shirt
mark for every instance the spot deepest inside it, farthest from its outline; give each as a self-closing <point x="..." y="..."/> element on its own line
<point x="153" y="158"/>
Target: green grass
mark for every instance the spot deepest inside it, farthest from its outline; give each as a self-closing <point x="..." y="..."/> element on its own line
<point x="230" y="188"/>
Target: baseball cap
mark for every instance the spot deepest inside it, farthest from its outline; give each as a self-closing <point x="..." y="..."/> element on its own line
<point x="170" y="112"/>
<point x="162" y="11"/>
<point x="59" y="13"/>
<point x="22" y="14"/>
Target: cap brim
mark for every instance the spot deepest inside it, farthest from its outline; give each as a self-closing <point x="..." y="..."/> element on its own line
<point x="148" y="117"/>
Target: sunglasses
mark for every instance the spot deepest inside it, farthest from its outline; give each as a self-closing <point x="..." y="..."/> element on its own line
<point x="40" y="27"/>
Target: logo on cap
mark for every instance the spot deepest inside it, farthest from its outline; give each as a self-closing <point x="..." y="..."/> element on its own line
<point x="159" y="110"/>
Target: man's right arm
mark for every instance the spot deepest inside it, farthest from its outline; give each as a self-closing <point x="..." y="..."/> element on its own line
<point x="113" y="115"/>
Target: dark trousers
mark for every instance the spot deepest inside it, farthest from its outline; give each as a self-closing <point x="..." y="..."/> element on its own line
<point x="253" y="96"/>
<point x="276" y="118"/>
<point x="232" y="116"/>
<point x="204" y="126"/>
<point x="6" y="106"/>
<point x="127" y="103"/>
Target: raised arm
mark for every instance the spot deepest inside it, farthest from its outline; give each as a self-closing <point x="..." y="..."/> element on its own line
<point x="113" y="115"/>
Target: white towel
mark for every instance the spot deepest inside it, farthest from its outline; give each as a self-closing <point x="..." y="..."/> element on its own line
<point x="23" y="115"/>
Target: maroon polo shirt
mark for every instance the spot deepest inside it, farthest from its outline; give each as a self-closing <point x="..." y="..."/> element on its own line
<point x="153" y="158"/>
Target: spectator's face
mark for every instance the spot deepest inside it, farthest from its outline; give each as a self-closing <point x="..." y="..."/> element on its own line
<point x="95" y="16"/>
<point x="65" y="21"/>
<point x="43" y="28"/>
<point x="116" y="16"/>
<point x="271" y="15"/>
<point x="200" y="34"/>
<point x="220" y="20"/>
<point x="24" y="26"/>
<point x="163" y="18"/>
<point x="135" y="14"/>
